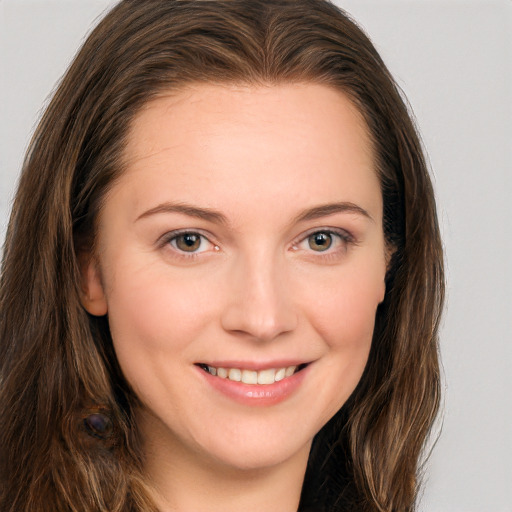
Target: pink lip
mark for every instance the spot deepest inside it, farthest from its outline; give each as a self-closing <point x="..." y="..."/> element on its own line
<point x="256" y="394"/>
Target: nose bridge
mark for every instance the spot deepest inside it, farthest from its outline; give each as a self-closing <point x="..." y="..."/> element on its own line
<point x="260" y="304"/>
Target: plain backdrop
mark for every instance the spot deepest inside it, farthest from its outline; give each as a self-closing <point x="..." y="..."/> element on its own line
<point x="453" y="59"/>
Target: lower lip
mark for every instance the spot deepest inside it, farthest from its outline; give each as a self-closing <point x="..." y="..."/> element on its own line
<point x="256" y="394"/>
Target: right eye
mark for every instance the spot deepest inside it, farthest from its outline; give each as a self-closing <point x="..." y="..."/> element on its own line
<point x="187" y="244"/>
<point x="190" y="242"/>
<point x="321" y="240"/>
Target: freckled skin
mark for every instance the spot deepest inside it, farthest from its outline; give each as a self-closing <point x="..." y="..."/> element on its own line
<point x="256" y="288"/>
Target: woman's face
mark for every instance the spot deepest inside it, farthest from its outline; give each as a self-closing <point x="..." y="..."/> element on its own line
<point x="241" y="260"/>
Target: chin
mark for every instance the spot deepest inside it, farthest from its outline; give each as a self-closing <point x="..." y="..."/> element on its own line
<point x="261" y="457"/>
<point x="256" y="445"/>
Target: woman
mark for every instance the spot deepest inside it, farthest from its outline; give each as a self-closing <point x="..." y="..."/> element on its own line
<point x="235" y="272"/>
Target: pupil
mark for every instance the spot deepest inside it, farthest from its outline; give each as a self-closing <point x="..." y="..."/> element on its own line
<point x="188" y="242"/>
<point x="320" y="241"/>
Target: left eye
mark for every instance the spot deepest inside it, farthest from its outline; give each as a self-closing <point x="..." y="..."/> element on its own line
<point x="190" y="242"/>
<point x="322" y="241"/>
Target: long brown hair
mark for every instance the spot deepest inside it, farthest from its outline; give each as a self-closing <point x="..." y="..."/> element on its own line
<point x="57" y="365"/>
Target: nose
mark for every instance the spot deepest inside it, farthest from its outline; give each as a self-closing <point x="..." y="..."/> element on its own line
<point x="259" y="303"/>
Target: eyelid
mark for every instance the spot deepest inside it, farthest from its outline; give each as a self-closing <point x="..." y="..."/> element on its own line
<point x="346" y="237"/>
<point x="346" y="240"/>
<point x="165" y="241"/>
<point x="342" y="233"/>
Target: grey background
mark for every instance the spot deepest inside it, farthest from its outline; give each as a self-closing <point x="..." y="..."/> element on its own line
<point x="453" y="58"/>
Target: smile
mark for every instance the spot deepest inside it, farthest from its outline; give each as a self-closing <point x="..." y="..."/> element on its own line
<point x="262" y="377"/>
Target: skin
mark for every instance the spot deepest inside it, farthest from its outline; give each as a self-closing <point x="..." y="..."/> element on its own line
<point x="257" y="289"/>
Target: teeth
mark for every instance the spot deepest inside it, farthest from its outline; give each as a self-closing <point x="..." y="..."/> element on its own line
<point x="290" y="371"/>
<point x="280" y="374"/>
<point x="235" y="374"/>
<point x="263" y="377"/>
<point x="249" y="377"/>
<point x="266" y="376"/>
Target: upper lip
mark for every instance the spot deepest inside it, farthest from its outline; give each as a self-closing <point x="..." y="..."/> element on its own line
<point x="254" y="365"/>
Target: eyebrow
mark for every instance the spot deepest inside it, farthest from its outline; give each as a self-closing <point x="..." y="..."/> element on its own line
<point x="331" y="209"/>
<point x="215" y="216"/>
<point x="186" y="209"/>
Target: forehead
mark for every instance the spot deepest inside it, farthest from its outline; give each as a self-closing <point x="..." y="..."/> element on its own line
<point x="297" y="142"/>
<point x="300" y="108"/>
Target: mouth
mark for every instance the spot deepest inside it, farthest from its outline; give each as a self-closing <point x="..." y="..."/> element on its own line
<point x="254" y="377"/>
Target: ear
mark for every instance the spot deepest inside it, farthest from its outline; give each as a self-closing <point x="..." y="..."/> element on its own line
<point x="93" y="296"/>
<point x="388" y="255"/>
<point x="382" y="290"/>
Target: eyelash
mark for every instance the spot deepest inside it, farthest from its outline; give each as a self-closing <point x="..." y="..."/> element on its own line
<point x="171" y="237"/>
<point x="344" y="238"/>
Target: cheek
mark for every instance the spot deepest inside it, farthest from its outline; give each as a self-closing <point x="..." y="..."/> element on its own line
<point x="153" y="315"/>
<point x="343" y="317"/>
<point x="150" y="296"/>
<point x="154" y="323"/>
<point x="346" y="325"/>
<point x="344" y="313"/>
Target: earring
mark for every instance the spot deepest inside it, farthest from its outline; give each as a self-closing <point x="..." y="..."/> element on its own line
<point x="99" y="425"/>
